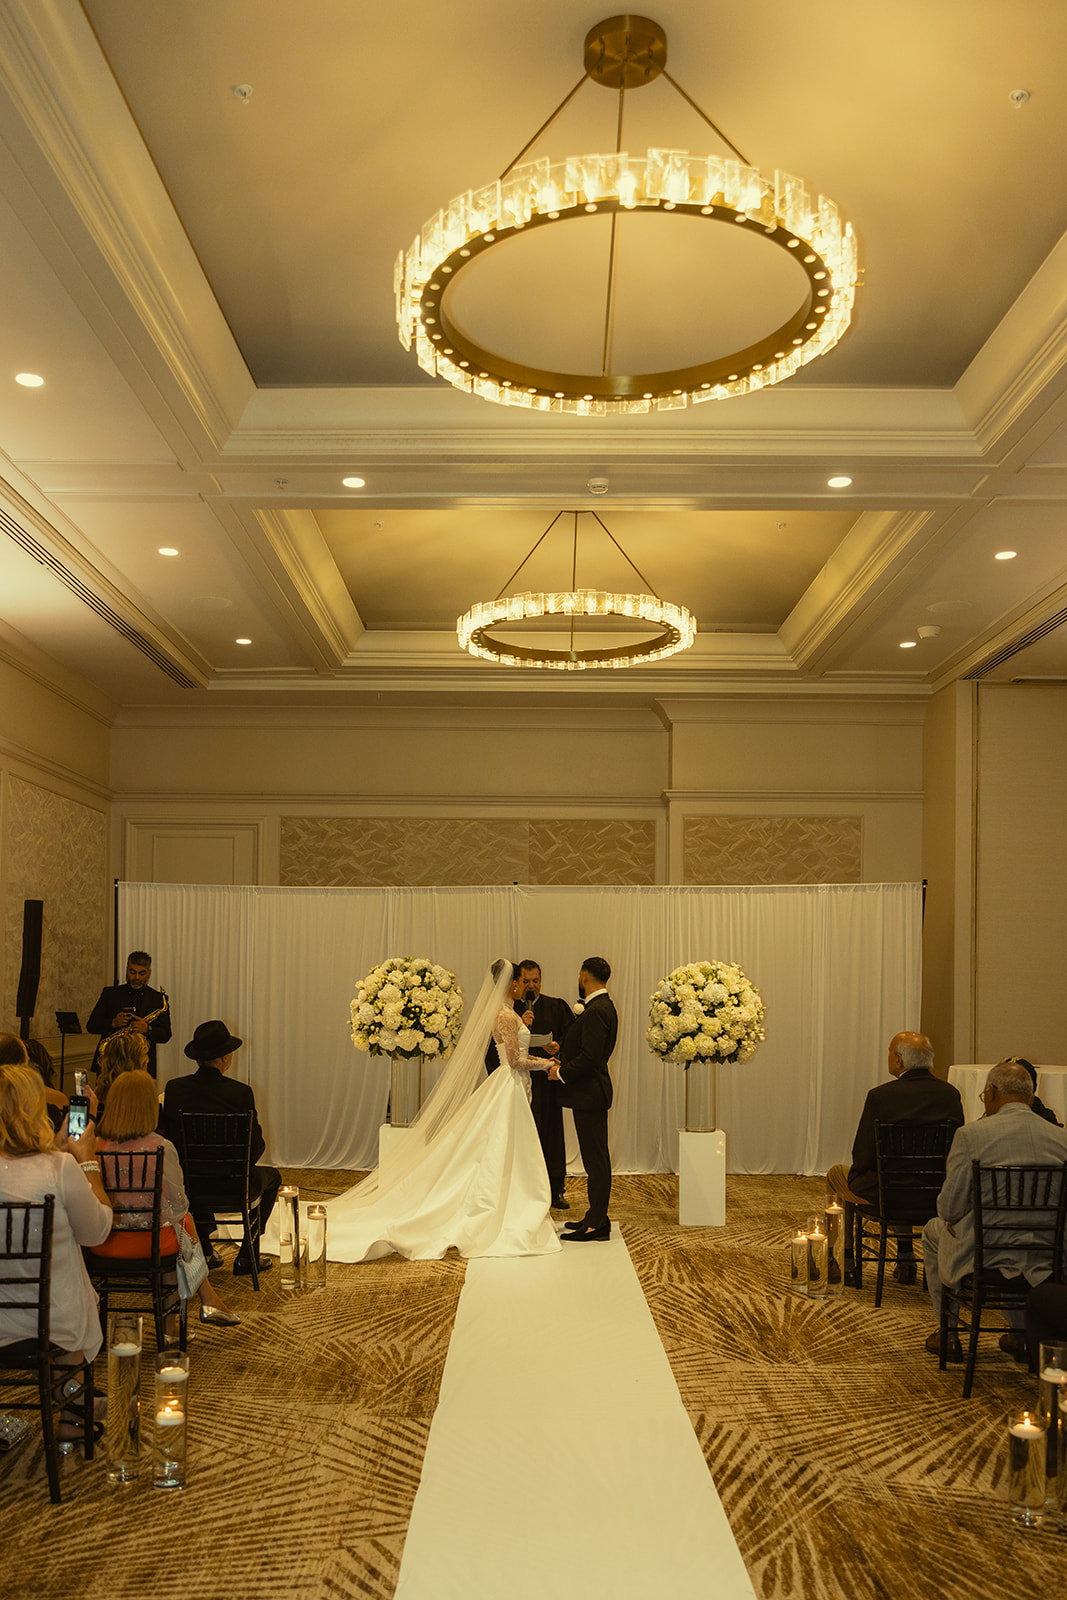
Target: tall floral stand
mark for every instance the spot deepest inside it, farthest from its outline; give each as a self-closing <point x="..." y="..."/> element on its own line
<point x="702" y="1151"/>
<point x="405" y="1101"/>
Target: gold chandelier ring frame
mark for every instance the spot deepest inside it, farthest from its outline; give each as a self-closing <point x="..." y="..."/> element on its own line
<point x="676" y="628"/>
<point x="466" y="364"/>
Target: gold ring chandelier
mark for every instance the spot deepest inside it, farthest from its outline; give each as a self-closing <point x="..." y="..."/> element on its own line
<point x="626" y="52"/>
<point x="674" y="625"/>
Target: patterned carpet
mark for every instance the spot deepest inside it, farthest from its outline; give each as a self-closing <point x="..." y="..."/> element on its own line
<point x="849" y="1466"/>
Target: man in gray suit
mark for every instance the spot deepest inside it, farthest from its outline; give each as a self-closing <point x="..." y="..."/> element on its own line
<point x="1009" y="1135"/>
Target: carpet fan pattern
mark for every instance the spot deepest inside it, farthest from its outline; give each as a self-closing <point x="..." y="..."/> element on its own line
<point x="849" y="1466"/>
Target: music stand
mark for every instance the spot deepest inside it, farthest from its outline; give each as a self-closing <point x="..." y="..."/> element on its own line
<point x="66" y="1022"/>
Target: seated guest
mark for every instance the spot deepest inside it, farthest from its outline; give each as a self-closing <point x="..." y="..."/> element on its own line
<point x="209" y="1089"/>
<point x="1009" y="1135"/>
<point x="34" y="1162"/>
<point x="1046" y="1315"/>
<point x="1035" y="1104"/>
<point x="915" y="1095"/>
<point x="128" y="1123"/>
<point x="123" y="1052"/>
<point x="41" y="1061"/>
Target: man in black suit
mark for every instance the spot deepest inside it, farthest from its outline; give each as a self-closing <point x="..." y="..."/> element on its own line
<point x="209" y="1089"/>
<point x="128" y="1005"/>
<point x="914" y="1095"/>
<point x="546" y="1014"/>
<point x="581" y="1071"/>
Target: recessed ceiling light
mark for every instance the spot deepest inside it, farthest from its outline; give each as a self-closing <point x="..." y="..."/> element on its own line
<point x="29" y="380"/>
<point x="840" y="482"/>
<point x="242" y="641"/>
<point x="908" y="644"/>
<point x="1004" y="555"/>
<point x="166" y="550"/>
<point x="354" y="483"/>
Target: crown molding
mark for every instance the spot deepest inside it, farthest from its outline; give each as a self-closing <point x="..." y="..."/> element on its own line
<point x="70" y="133"/>
<point x="292" y="559"/>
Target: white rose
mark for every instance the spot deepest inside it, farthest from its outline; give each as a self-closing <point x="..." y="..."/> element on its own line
<point x="390" y="991"/>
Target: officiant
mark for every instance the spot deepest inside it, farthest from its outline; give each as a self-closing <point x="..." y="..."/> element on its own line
<point x="548" y="1019"/>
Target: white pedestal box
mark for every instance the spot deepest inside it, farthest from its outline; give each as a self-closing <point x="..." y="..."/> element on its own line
<point x="702" y="1179"/>
<point x="388" y="1139"/>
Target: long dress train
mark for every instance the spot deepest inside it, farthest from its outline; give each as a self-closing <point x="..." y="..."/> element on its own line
<point x="468" y="1174"/>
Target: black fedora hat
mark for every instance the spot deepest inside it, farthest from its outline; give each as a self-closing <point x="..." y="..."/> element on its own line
<point x="211" y="1041"/>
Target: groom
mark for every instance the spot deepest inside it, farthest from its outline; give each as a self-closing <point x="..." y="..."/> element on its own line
<point x="581" y="1071"/>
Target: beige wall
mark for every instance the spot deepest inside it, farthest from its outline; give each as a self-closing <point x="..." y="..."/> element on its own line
<point x="806" y="790"/>
<point x="54" y="843"/>
<point x="948" y="867"/>
<point x="1021" y="919"/>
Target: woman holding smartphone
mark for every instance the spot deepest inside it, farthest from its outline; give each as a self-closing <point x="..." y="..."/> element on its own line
<point x="34" y="1162"/>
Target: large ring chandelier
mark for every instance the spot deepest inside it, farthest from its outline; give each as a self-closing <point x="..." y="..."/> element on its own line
<point x="626" y="52"/>
<point x="675" y="628"/>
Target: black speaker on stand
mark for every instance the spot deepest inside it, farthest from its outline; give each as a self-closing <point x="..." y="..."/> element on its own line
<point x="30" y="973"/>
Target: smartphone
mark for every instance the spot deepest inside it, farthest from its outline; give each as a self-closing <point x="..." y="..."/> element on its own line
<point x="78" y="1115"/>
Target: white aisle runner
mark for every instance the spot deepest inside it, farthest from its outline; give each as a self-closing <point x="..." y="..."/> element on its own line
<point x="561" y="1461"/>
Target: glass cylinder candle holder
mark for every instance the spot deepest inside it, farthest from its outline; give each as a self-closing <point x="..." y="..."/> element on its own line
<point x="1052" y="1374"/>
<point x="817" y="1263"/>
<point x="798" y="1262"/>
<point x="1061" y="1485"/>
<point x="315" y="1248"/>
<point x="289" y="1236"/>
<point x="1027" y="1443"/>
<point x="171" y="1418"/>
<point x="125" y="1330"/>
<point x="834" y="1228"/>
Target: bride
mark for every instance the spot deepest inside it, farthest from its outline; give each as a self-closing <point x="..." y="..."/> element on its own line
<point x="468" y="1173"/>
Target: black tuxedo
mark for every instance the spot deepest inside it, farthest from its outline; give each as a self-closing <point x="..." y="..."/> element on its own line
<point x="120" y="997"/>
<point x="208" y="1089"/>
<point x="584" y="1084"/>
<point x="916" y="1096"/>
<point x="554" y="1016"/>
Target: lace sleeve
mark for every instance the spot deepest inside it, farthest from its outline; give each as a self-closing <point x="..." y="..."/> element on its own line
<point x="506" y="1034"/>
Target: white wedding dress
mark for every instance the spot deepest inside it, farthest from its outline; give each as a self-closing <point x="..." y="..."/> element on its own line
<point x="469" y="1173"/>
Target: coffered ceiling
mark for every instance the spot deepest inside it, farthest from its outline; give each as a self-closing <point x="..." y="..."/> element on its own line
<point x="205" y="282"/>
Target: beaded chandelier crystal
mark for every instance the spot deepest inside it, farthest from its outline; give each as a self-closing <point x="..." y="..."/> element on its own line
<point x="627" y="52"/>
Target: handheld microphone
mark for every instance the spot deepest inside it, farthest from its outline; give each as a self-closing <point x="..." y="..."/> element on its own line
<point x="528" y="999"/>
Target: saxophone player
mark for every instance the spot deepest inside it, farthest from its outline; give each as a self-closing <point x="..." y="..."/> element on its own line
<point x="132" y="1007"/>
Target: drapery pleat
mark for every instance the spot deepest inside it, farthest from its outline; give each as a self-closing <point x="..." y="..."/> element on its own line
<point x="838" y="967"/>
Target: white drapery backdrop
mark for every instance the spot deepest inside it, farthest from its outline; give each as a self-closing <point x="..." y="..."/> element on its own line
<point x="838" y="967"/>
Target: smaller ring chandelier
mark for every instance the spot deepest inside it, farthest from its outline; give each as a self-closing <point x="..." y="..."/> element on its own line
<point x="626" y="52"/>
<point x="674" y="625"/>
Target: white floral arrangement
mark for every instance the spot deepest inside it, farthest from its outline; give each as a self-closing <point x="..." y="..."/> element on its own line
<point x="707" y="1011"/>
<point x="407" y="1006"/>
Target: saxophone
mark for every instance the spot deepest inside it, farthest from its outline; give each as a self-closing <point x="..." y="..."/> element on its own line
<point x="120" y="1033"/>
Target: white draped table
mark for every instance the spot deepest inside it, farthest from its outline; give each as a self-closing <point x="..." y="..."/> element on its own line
<point x="970" y="1081"/>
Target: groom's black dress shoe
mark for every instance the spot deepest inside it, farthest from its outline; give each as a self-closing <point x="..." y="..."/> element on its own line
<point x="579" y="1237"/>
<point x="560" y="1203"/>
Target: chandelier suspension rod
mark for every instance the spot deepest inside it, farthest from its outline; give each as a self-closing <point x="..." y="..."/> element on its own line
<point x="609" y="300"/>
<point x="713" y="125"/>
<point x="622" y="553"/>
<point x="546" y="125"/>
<point x="529" y="554"/>
<point x="574" y="574"/>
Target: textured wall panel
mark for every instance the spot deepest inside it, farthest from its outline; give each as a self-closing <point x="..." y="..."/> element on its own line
<point x="368" y="852"/>
<point x="731" y="850"/>
<point x="594" y="851"/>
<point x="55" y="851"/>
<point x="372" y="851"/>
